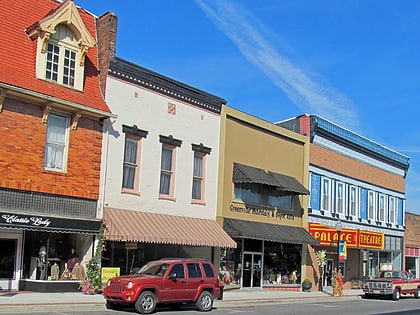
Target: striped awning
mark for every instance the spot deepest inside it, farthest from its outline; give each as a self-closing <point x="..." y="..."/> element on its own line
<point x="137" y="226"/>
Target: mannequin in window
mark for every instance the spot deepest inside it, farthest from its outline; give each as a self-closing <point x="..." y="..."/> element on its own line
<point x="73" y="259"/>
<point x="42" y="263"/>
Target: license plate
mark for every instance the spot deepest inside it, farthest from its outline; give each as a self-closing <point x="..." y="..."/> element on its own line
<point x="376" y="292"/>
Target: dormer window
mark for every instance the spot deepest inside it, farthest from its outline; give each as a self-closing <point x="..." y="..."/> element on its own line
<point x="63" y="42"/>
<point x="61" y="56"/>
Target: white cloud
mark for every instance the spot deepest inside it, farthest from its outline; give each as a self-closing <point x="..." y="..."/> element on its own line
<point x="304" y="90"/>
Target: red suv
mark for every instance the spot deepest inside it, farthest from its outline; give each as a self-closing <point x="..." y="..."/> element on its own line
<point x="176" y="280"/>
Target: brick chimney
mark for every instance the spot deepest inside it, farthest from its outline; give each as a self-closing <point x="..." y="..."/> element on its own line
<point x="106" y="29"/>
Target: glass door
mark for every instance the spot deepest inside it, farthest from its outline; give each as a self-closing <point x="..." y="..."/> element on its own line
<point x="251" y="272"/>
<point x="9" y="257"/>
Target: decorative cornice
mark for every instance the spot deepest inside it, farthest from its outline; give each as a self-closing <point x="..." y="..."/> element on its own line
<point x="148" y="79"/>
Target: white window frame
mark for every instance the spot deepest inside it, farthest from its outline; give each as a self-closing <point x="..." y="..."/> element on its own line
<point x="381" y="207"/>
<point x="50" y="143"/>
<point x="325" y="194"/>
<point x="371" y="205"/>
<point x="340" y="199"/>
<point x="128" y="162"/>
<point x="392" y="209"/>
<point x="353" y="201"/>
<point x="65" y="40"/>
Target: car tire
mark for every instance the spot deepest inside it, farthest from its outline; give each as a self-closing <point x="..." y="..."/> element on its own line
<point x="417" y="293"/>
<point x="205" y="302"/>
<point x="146" y="303"/>
<point x="112" y="306"/>
<point x="397" y="294"/>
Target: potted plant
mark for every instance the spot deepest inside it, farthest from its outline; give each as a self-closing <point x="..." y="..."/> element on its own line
<point x="306" y="285"/>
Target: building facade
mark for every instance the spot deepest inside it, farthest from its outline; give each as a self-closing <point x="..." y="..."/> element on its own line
<point x="159" y="167"/>
<point x="51" y="113"/>
<point x="263" y="173"/>
<point x="412" y="243"/>
<point x="357" y="196"/>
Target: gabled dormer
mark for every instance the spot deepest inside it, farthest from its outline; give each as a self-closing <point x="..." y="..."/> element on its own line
<point x="63" y="41"/>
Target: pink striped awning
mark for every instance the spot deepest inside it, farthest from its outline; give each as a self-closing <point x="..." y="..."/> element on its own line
<point x="412" y="251"/>
<point x="136" y="226"/>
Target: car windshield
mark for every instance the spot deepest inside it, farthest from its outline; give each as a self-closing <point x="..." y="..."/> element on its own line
<point x="389" y="274"/>
<point x="153" y="269"/>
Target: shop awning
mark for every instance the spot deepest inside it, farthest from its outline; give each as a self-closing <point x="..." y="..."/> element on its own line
<point x="136" y="226"/>
<point x="248" y="174"/>
<point x="268" y="232"/>
<point x="39" y="222"/>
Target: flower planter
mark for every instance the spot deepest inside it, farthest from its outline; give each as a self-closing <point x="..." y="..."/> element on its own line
<point x="306" y="286"/>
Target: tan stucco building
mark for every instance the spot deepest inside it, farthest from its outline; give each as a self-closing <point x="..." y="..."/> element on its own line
<point x="262" y="201"/>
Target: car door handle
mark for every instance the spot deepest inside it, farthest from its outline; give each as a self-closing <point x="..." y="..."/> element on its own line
<point x="183" y="281"/>
<point x="201" y="280"/>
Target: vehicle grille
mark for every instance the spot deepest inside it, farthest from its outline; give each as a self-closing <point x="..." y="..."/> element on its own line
<point x="377" y="285"/>
<point x="117" y="287"/>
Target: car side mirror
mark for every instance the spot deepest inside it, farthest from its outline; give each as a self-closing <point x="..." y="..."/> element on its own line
<point x="172" y="276"/>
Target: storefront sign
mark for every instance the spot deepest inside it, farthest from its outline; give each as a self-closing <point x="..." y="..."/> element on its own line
<point x="130" y="245"/>
<point x="109" y="272"/>
<point x="327" y="235"/>
<point x="268" y="213"/>
<point x="45" y="223"/>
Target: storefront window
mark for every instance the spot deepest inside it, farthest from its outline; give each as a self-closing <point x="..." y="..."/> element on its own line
<point x="53" y="256"/>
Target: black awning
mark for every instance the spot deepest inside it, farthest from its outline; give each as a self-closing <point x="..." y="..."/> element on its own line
<point x="248" y="174"/>
<point x="290" y="184"/>
<point x="268" y="232"/>
<point x="37" y="222"/>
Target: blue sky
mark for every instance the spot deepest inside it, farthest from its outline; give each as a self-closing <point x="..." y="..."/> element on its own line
<point x="354" y="62"/>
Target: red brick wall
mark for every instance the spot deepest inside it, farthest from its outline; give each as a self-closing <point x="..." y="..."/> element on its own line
<point x="412" y="230"/>
<point x="22" y="144"/>
<point x="341" y="164"/>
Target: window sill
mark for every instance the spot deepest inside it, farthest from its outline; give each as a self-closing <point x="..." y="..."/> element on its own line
<point x="198" y="202"/>
<point x="130" y="192"/>
<point x="166" y="197"/>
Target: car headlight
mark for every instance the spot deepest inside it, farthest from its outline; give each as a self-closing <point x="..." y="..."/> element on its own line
<point x="389" y="285"/>
<point x="130" y="285"/>
<point x="108" y="283"/>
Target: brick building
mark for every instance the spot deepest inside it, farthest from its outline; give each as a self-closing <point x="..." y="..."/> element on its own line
<point x="51" y="112"/>
<point x="412" y="242"/>
<point x="357" y="195"/>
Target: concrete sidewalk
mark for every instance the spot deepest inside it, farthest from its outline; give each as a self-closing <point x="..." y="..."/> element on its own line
<point x="230" y="297"/>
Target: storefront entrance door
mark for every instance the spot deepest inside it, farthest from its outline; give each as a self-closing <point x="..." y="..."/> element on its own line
<point x="9" y="257"/>
<point x="251" y="276"/>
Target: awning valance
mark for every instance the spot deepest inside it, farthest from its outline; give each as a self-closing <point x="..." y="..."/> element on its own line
<point x="39" y="222"/>
<point x="126" y="225"/>
<point x="248" y="174"/>
<point x="268" y="232"/>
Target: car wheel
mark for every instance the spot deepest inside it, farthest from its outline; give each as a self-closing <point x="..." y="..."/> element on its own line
<point x="112" y="306"/>
<point x="146" y="303"/>
<point x="397" y="294"/>
<point x="205" y="302"/>
<point x="417" y="293"/>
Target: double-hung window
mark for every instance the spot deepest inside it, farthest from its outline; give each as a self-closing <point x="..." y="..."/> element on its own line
<point x="371" y="205"/>
<point x="326" y="194"/>
<point x="391" y="211"/>
<point x="55" y="157"/>
<point x="339" y="198"/>
<point x="167" y="166"/>
<point x="199" y="173"/>
<point x="353" y="201"/>
<point x="132" y="154"/>
<point x="381" y="208"/>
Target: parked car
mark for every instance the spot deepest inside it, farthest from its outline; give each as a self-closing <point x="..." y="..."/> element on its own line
<point x="166" y="281"/>
<point x="392" y="283"/>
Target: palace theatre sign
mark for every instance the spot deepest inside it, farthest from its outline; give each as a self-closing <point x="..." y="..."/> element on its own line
<point x="327" y="235"/>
